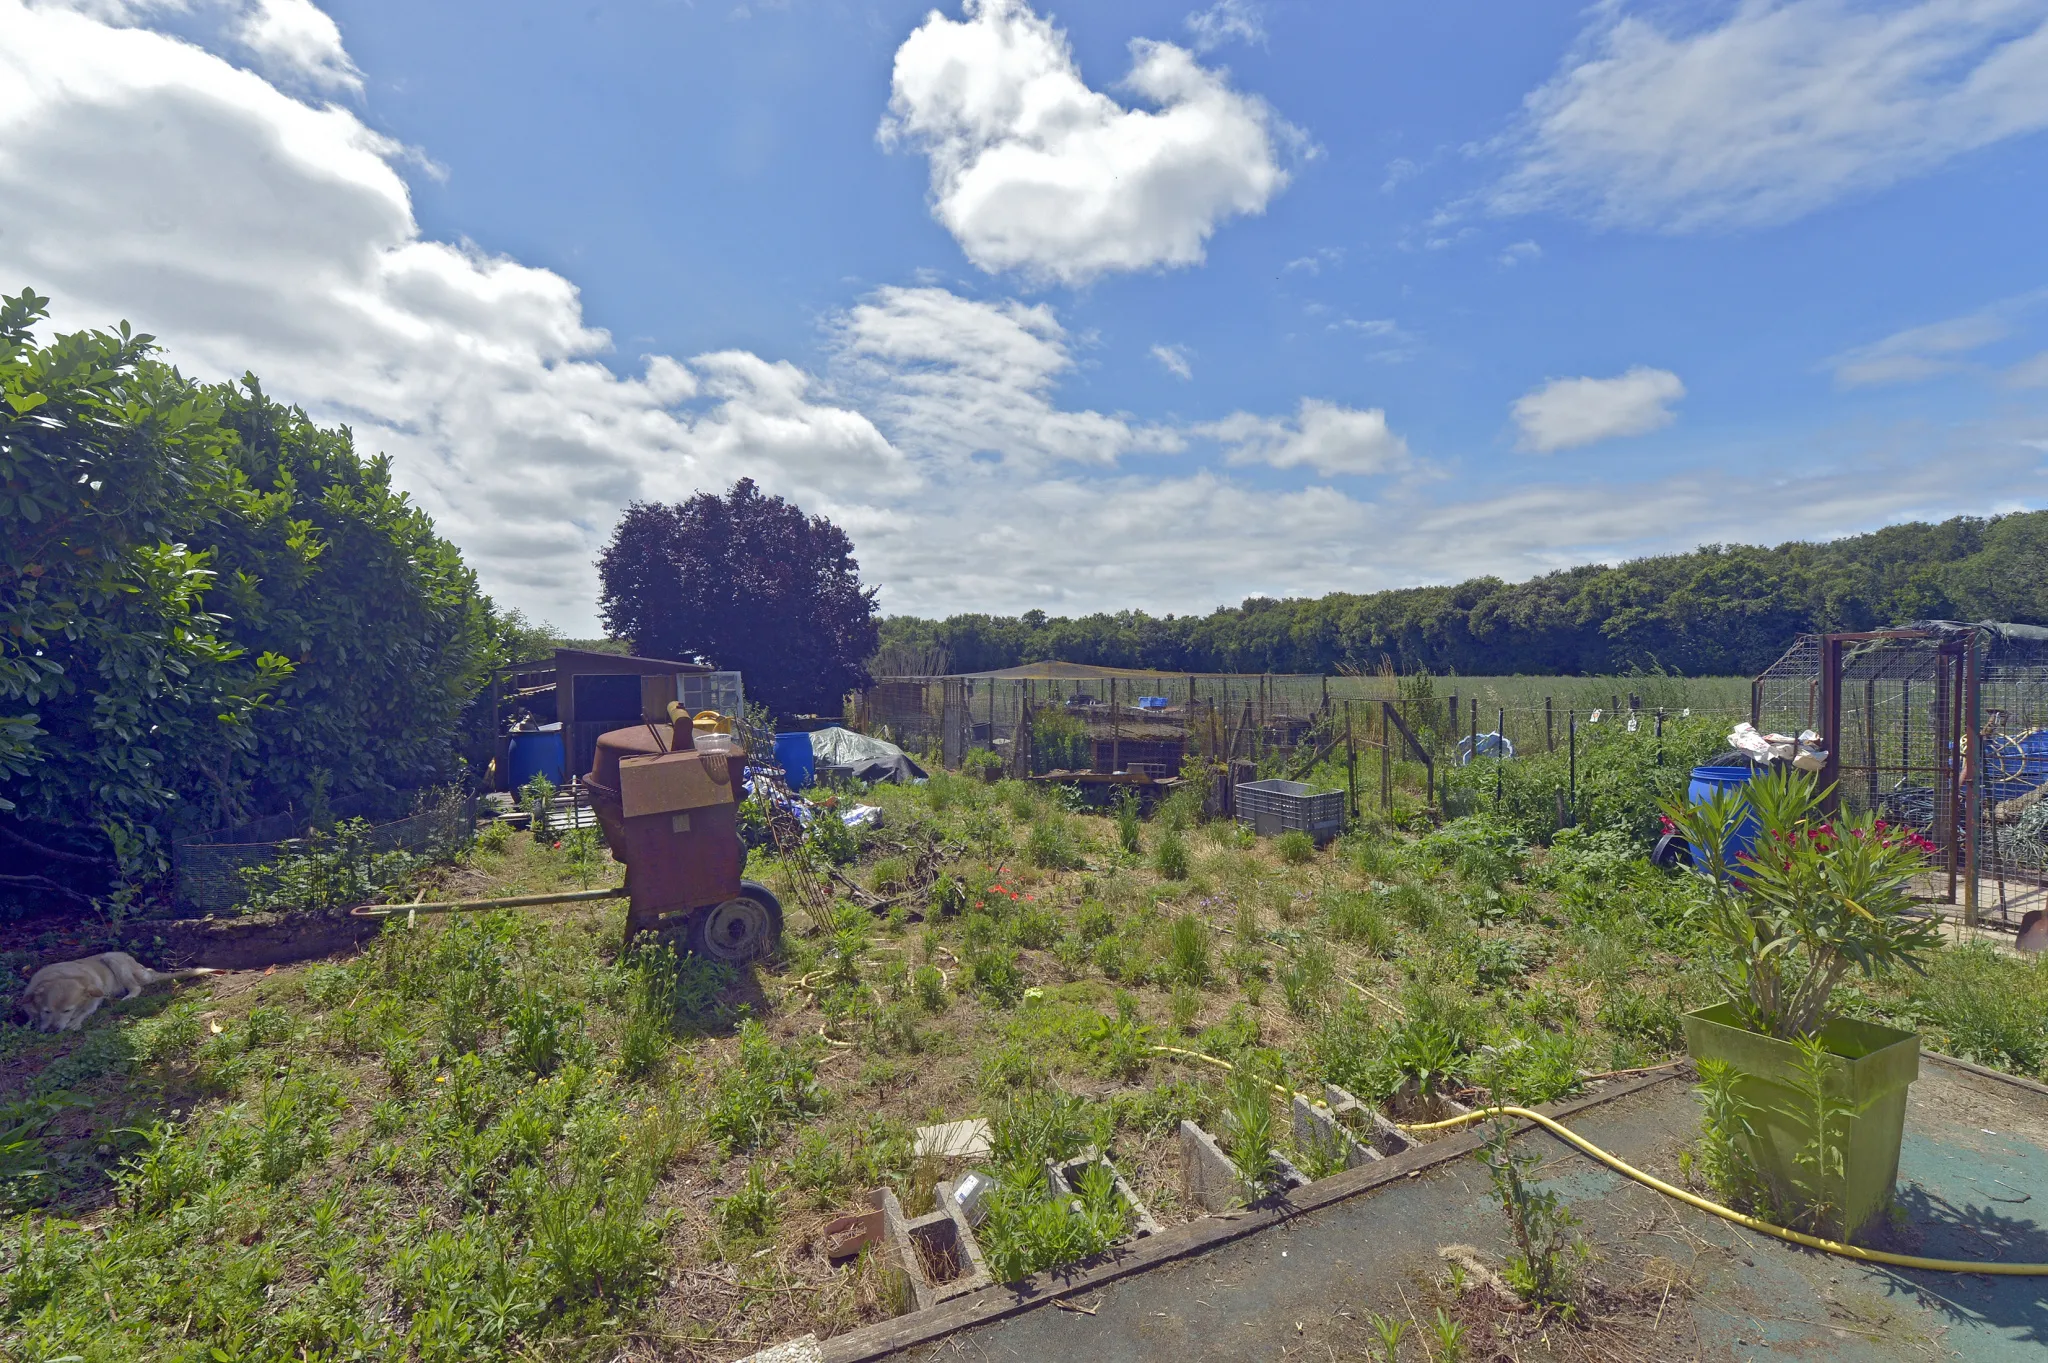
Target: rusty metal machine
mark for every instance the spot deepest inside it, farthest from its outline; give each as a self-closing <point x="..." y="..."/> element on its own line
<point x="670" y="814"/>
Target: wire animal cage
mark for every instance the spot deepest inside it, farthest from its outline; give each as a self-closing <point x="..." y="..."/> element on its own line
<point x="1941" y="727"/>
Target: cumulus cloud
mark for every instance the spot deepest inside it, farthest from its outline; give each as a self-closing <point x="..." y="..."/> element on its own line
<point x="143" y="178"/>
<point x="957" y="378"/>
<point x="1566" y="413"/>
<point x="1174" y="360"/>
<point x="1323" y="436"/>
<point x="296" y="38"/>
<point x="1777" y="109"/>
<point x="1228" y="21"/>
<point x="1033" y="171"/>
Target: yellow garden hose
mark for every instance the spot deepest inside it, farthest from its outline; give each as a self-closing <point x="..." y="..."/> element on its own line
<point x="1652" y="1182"/>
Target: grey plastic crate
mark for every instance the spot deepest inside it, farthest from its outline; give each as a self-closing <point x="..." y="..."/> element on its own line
<point x="1273" y="807"/>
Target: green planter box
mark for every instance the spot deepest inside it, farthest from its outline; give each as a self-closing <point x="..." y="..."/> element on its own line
<point x="1872" y="1068"/>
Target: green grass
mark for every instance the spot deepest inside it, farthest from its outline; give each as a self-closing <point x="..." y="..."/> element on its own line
<point x="504" y="1136"/>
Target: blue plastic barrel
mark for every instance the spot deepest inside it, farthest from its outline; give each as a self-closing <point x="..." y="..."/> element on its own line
<point x="793" y="751"/>
<point x="2015" y="764"/>
<point x="1708" y="782"/>
<point x="534" y="755"/>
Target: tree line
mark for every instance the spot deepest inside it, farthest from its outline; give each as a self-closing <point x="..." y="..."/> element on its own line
<point x="1721" y="610"/>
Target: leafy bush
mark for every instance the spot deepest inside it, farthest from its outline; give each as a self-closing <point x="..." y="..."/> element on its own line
<point x="1059" y="741"/>
<point x="1035" y="927"/>
<point x="1295" y="847"/>
<point x="750" y="1211"/>
<point x="1170" y="856"/>
<point x="1623" y="778"/>
<point x="1187" y="952"/>
<point x="930" y="984"/>
<point x="980" y="764"/>
<point x="1052" y="845"/>
<point x="1127" y="826"/>
<point x="335" y="870"/>
<point x="216" y="608"/>
<point x="995" y="975"/>
<point x="1028" y="1231"/>
<point x="1814" y="899"/>
<point x="1248" y="1130"/>
<point x="767" y="1088"/>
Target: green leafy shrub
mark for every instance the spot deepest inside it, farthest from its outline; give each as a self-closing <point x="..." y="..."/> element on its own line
<point x="981" y="764"/>
<point x="1052" y="845"/>
<point x="1816" y="898"/>
<point x="1248" y="1130"/>
<point x="1128" y="836"/>
<point x="1035" y="927"/>
<point x="1187" y="952"/>
<point x="995" y="975"/>
<point x="1295" y="847"/>
<point x="767" y="1088"/>
<point x="1028" y="1231"/>
<point x="1059" y="740"/>
<point x="750" y="1211"/>
<point x="1170" y="856"/>
<point x="1543" y="1271"/>
<point x="930" y="983"/>
<point x="330" y="870"/>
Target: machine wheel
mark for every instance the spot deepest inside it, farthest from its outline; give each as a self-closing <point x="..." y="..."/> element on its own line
<point x="742" y="929"/>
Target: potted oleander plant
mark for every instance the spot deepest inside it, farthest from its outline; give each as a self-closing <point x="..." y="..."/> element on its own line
<point x="1810" y="1104"/>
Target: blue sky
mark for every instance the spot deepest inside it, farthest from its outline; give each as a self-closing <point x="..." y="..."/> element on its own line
<point x="1149" y="305"/>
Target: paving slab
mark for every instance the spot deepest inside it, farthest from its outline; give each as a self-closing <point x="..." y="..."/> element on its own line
<point x="1973" y="1185"/>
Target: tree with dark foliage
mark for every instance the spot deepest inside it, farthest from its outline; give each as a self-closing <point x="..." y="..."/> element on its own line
<point x="749" y="583"/>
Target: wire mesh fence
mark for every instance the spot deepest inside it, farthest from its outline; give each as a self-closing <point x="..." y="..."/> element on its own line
<point x="1281" y="724"/>
<point x="1941" y="728"/>
<point x="209" y="871"/>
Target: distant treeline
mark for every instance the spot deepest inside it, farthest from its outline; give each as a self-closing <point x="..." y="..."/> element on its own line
<point x="1718" y="611"/>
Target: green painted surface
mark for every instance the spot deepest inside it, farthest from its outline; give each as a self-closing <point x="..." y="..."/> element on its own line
<point x="1872" y="1067"/>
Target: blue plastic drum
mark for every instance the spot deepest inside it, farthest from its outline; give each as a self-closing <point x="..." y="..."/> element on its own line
<point x="532" y="755"/>
<point x="1708" y="782"/>
<point x="2015" y="764"/>
<point x="793" y="751"/>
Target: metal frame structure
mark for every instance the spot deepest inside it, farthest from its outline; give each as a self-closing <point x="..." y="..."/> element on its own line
<point x="1939" y="726"/>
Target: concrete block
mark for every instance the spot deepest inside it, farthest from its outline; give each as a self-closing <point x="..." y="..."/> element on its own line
<point x="1065" y="1178"/>
<point x="1208" y="1177"/>
<point x="1316" y="1125"/>
<point x="898" y="1253"/>
<point x="1368" y="1123"/>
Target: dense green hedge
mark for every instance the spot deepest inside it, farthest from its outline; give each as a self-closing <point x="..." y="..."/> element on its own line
<point x="210" y="609"/>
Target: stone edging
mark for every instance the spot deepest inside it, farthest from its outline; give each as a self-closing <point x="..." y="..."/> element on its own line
<point x="1180" y="1242"/>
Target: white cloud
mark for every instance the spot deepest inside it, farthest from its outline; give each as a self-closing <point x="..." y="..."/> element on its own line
<point x="1228" y="21"/>
<point x="954" y="378"/>
<point x="1521" y="251"/>
<point x="1033" y="171"/>
<point x="1778" y="109"/>
<point x="1174" y="359"/>
<point x="143" y="178"/>
<point x="295" y="38"/>
<point x="2029" y="373"/>
<point x="1918" y="352"/>
<point x="1566" y="413"/>
<point x="1323" y="436"/>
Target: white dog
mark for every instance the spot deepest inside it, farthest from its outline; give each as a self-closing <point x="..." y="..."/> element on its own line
<point x="60" y="997"/>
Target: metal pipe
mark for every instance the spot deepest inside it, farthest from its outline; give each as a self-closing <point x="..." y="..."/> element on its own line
<point x="474" y="905"/>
